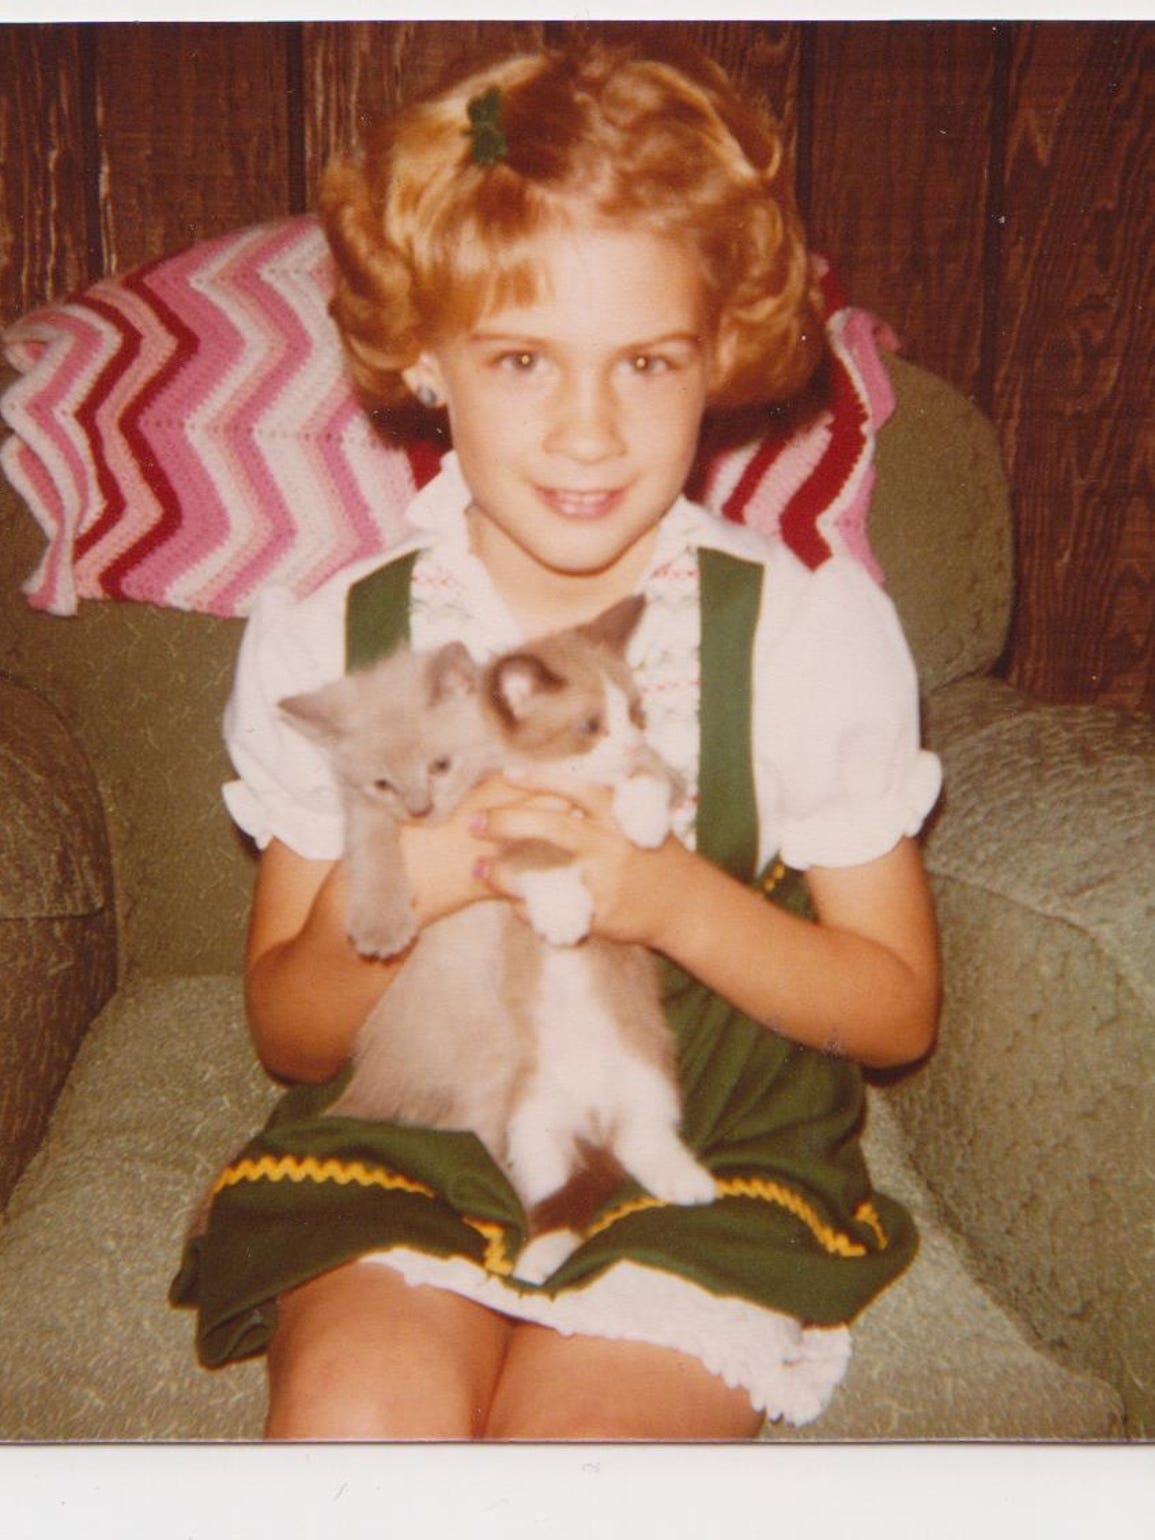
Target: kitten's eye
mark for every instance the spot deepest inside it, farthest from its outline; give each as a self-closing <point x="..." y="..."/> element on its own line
<point x="441" y="765"/>
<point x="590" y="726"/>
<point x="381" y="784"/>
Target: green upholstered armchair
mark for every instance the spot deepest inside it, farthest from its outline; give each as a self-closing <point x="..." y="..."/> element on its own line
<point x="1024" y="1145"/>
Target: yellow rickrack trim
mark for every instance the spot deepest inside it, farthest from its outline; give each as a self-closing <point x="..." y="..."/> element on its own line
<point x="831" y="1240"/>
<point x="773" y="877"/>
<point x="828" y="1238"/>
<point x="634" y="1206"/>
<point x="867" y="1214"/>
<point x="496" y="1258"/>
<point x="295" y="1168"/>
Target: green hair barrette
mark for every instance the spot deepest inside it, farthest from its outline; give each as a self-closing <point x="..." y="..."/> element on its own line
<point x="489" y="143"/>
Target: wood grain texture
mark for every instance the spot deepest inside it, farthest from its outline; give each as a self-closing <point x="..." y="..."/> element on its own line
<point x="43" y="232"/>
<point x="358" y="72"/>
<point x="762" y="58"/>
<point x="192" y="126"/>
<point x="901" y="149"/>
<point x="1076" y="375"/>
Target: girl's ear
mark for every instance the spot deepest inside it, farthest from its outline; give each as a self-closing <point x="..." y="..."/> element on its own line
<point x="425" y="380"/>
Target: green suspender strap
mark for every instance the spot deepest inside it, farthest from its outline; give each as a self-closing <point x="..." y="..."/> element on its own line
<point x="730" y="598"/>
<point x="377" y="613"/>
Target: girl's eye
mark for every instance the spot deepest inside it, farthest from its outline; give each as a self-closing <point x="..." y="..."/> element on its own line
<point x="518" y="363"/>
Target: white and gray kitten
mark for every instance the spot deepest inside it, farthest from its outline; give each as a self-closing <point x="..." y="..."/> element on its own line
<point x="545" y="1041"/>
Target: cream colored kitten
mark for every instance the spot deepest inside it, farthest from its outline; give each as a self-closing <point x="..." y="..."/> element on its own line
<point x="542" y="1039"/>
<point x="407" y="739"/>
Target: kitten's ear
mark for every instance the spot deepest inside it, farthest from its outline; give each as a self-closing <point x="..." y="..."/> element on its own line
<point x="516" y="681"/>
<point x="321" y="714"/>
<point x="614" y="627"/>
<point x="452" y="673"/>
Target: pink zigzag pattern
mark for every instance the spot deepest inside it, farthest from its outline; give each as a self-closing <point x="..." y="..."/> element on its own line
<point x="166" y="423"/>
<point x="265" y="319"/>
<point x="186" y="435"/>
<point x="50" y="469"/>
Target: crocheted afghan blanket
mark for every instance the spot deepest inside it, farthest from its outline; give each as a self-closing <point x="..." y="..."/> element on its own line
<point x="185" y="434"/>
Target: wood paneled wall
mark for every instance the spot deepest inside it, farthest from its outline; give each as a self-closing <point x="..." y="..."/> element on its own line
<point x="988" y="189"/>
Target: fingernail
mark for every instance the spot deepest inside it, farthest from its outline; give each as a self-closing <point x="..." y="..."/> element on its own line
<point x="482" y="869"/>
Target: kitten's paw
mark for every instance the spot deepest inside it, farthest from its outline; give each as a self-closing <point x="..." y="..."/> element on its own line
<point x="642" y="810"/>
<point x="558" y="904"/>
<point x="674" y="1176"/>
<point x="690" y="1184"/>
<point x="381" y="933"/>
<point x="545" y="1254"/>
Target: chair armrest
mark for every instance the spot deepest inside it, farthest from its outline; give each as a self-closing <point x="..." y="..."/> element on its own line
<point x="57" y="921"/>
<point x="1035" y="1119"/>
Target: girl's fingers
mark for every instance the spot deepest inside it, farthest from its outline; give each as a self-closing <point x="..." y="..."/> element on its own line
<point x="591" y="799"/>
<point x="529" y="821"/>
<point x="493" y="791"/>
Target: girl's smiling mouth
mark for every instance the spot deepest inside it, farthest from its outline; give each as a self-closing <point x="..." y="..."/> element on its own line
<point x="572" y="504"/>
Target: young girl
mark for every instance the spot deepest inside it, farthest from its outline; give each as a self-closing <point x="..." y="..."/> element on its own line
<point x="576" y="255"/>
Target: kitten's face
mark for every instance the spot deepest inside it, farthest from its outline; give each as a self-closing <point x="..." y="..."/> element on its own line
<point x="570" y="699"/>
<point x="408" y="732"/>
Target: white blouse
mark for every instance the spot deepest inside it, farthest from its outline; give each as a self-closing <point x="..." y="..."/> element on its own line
<point x="839" y="773"/>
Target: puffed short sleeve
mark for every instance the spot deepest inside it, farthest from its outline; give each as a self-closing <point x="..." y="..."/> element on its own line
<point x="284" y="788"/>
<point x="840" y="772"/>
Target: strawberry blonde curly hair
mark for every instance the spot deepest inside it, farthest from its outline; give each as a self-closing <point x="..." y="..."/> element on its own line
<point x="427" y="239"/>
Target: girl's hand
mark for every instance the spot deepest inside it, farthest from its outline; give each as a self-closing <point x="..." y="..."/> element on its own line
<point x="442" y="858"/>
<point x="626" y="883"/>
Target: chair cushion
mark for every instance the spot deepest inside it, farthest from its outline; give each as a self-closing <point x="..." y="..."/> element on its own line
<point x="166" y="1087"/>
<point x="185" y="434"/>
<point x="53" y="850"/>
<point x="1033" y="1121"/>
<point x="940" y="525"/>
<point x="937" y="1357"/>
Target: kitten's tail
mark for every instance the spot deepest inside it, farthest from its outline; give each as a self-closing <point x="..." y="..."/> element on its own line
<point x="596" y="1176"/>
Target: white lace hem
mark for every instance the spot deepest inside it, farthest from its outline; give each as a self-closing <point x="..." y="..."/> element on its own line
<point x="789" y="1370"/>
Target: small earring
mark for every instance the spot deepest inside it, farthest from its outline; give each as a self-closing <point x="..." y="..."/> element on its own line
<point x="427" y="396"/>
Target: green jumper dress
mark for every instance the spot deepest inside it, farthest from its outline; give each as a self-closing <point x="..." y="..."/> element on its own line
<point x="796" y="1227"/>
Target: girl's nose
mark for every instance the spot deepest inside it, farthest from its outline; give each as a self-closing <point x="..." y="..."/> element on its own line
<point x="585" y="425"/>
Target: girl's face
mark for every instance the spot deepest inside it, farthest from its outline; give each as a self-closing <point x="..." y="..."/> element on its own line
<point x="576" y="417"/>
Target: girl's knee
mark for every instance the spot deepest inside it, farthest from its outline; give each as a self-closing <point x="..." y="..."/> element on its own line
<point x="311" y="1400"/>
<point x="357" y="1355"/>
<point x="588" y="1390"/>
<point x="607" y="1421"/>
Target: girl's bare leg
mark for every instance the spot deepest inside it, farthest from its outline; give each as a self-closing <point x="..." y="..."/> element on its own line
<point x="554" y="1387"/>
<point x="359" y="1354"/>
